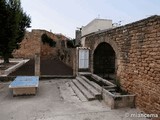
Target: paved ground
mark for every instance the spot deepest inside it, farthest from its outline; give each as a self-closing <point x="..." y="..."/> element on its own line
<point x="48" y="67"/>
<point x="55" y="100"/>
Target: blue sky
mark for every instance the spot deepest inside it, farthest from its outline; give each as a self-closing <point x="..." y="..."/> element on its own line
<point x="64" y="16"/>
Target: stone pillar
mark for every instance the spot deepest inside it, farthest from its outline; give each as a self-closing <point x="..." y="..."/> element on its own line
<point x="91" y="62"/>
<point x="77" y="60"/>
<point x="37" y="64"/>
<point x="74" y="63"/>
<point x="78" y="35"/>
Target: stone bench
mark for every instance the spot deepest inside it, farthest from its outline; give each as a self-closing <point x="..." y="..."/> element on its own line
<point x="24" y="85"/>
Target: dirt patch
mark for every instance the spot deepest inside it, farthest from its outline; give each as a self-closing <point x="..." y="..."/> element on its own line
<point x="26" y="69"/>
<point x="48" y="67"/>
<point x="54" y="67"/>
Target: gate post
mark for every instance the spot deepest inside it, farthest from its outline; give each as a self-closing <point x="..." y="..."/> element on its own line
<point x="37" y="64"/>
<point x="91" y="62"/>
<point x="74" y="63"/>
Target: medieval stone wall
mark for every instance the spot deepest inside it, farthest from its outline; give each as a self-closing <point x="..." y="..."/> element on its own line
<point x="137" y="48"/>
<point x="28" y="47"/>
<point x="32" y="44"/>
<point x="67" y="55"/>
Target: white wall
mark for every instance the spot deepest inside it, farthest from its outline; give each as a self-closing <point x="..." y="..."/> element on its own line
<point x="94" y="26"/>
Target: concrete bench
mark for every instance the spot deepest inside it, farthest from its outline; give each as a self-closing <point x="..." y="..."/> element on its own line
<point x="24" y="85"/>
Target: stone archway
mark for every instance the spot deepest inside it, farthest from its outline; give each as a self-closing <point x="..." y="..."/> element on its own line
<point x="93" y="42"/>
<point x="104" y="60"/>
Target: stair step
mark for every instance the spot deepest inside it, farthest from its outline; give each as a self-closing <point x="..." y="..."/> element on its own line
<point x="90" y="88"/>
<point x="85" y="92"/>
<point x="95" y="85"/>
<point x="111" y="90"/>
<point x="78" y="92"/>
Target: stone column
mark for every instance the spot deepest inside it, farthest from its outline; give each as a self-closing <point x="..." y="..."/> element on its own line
<point x="77" y="60"/>
<point x="74" y="63"/>
<point x="91" y="61"/>
<point x="37" y="64"/>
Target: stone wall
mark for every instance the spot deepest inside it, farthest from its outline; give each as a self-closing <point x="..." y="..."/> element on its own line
<point x="32" y="44"/>
<point x="28" y="47"/>
<point x="137" y="48"/>
<point x="67" y="55"/>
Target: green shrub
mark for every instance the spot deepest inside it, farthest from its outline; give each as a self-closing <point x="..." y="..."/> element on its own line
<point x="71" y="43"/>
<point x="47" y="40"/>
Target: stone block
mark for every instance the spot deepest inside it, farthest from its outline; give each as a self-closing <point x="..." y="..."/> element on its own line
<point x="24" y="85"/>
<point x="24" y="91"/>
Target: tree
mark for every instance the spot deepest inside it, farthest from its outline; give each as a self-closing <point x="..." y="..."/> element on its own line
<point x="13" y="23"/>
<point x="71" y="43"/>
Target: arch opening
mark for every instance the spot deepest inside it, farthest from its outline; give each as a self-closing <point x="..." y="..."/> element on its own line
<point x="104" y="60"/>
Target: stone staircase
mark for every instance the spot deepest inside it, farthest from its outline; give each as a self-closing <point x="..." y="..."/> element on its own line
<point x="86" y="90"/>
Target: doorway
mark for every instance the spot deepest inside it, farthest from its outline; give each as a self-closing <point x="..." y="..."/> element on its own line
<point x="104" y="61"/>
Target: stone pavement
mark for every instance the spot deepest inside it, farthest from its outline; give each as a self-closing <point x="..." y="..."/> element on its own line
<point x="56" y="100"/>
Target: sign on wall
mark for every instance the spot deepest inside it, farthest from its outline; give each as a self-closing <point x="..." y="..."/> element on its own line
<point x="83" y="58"/>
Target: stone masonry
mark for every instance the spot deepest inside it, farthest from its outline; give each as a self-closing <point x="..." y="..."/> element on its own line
<point x="32" y="44"/>
<point x="137" y="48"/>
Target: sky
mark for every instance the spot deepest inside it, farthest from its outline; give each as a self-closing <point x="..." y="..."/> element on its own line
<point x="65" y="16"/>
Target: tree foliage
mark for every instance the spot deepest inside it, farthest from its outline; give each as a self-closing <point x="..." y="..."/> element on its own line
<point x="13" y="23"/>
<point x="47" y="40"/>
<point x="71" y="43"/>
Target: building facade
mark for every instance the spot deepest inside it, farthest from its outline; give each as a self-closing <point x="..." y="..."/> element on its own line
<point x="94" y="26"/>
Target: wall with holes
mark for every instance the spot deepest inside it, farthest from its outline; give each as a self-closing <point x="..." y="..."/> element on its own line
<point x="32" y="44"/>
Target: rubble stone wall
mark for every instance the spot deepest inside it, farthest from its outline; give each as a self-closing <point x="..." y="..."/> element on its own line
<point x="67" y="56"/>
<point x="137" y="48"/>
<point x="32" y="44"/>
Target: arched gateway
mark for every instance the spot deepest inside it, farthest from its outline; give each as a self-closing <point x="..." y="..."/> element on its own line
<point x="104" y="60"/>
<point x="105" y="57"/>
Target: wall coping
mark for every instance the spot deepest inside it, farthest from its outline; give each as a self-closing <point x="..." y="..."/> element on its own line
<point x="120" y="27"/>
